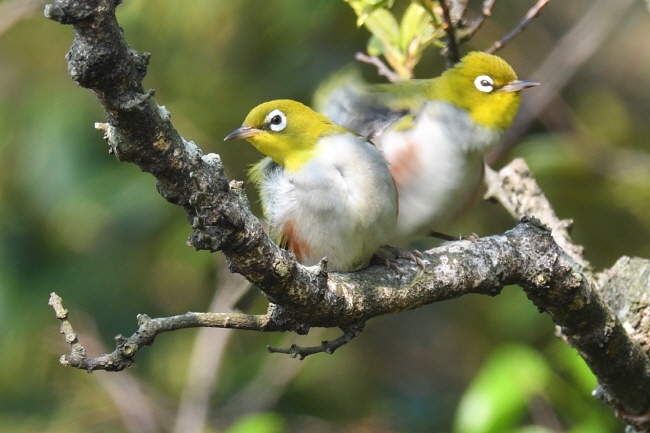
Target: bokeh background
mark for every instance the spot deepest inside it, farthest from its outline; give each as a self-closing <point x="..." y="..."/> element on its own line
<point x="75" y="221"/>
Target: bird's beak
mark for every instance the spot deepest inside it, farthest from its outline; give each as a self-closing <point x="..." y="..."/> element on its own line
<point x="243" y="131"/>
<point x="519" y="85"/>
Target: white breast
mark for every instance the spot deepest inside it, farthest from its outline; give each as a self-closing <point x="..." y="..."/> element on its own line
<point x="340" y="205"/>
<point x="437" y="166"/>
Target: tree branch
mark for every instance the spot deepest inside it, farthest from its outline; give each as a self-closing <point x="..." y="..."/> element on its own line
<point x="474" y="26"/>
<point x="528" y="18"/>
<point x="526" y="255"/>
<point x="453" y="50"/>
<point x="382" y="68"/>
<point x="122" y="356"/>
<point x="350" y="332"/>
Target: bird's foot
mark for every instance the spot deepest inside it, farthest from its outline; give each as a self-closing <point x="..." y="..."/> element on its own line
<point x="414" y="256"/>
<point x="383" y="261"/>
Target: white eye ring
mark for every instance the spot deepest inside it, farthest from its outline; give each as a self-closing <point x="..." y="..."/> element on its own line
<point x="484" y="83"/>
<point x="276" y="120"/>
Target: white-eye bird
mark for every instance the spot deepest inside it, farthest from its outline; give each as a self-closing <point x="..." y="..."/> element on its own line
<point x="433" y="132"/>
<point x="325" y="190"/>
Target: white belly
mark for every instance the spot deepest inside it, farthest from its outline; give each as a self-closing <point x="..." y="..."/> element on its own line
<point x="341" y="205"/>
<point x="437" y="168"/>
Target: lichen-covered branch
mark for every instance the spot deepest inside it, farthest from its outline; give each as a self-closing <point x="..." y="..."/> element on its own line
<point x="526" y="255"/>
<point x="625" y="290"/>
<point x="139" y="131"/>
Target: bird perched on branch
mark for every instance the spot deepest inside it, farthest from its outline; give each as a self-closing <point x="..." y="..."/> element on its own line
<point x="325" y="191"/>
<point x="433" y="132"/>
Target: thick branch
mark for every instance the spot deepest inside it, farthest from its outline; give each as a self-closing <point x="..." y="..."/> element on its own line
<point x="140" y="131"/>
<point x="526" y="255"/>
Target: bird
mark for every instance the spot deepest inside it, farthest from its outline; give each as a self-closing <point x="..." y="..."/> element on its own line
<point x="326" y="192"/>
<point x="433" y="132"/>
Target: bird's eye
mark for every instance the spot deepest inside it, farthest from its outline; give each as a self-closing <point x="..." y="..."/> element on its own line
<point x="276" y="120"/>
<point x="484" y="83"/>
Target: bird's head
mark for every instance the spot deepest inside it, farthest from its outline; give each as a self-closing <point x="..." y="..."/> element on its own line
<point x="486" y="86"/>
<point x="285" y="130"/>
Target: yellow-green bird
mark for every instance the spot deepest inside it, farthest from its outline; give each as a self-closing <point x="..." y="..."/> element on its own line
<point x="325" y="191"/>
<point x="433" y="132"/>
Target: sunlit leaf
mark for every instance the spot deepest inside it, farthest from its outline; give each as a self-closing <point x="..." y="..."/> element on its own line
<point x="500" y="392"/>
<point x="383" y="25"/>
<point x="363" y="8"/>
<point x="267" y="422"/>
<point x="375" y="47"/>
<point x="415" y="25"/>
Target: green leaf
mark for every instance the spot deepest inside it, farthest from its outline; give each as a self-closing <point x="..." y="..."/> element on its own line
<point x="500" y="392"/>
<point x="573" y="365"/>
<point x="383" y="25"/>
<point x="266" y="422"/>
<point x="375" y="47"/>
<point x="416" y="24"/>
<point x="364" y="8"/>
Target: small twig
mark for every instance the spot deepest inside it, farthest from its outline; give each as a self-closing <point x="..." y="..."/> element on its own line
<point x="77" y="350"/>
<point x="458" y="9"/>
<point x="528" y="18"/>
<point x="122" y="356"/>
<point x="349" y="333"/>
<point x="382" y="68"/>
<point x="477" y="23"/>
<point x="453" y="51"/>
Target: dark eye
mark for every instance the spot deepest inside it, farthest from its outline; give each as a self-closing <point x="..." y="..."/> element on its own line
<point x="484" y="83"/>
<point x="276" y="120"/>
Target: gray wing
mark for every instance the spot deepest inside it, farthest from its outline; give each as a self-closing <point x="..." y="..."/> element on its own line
<point x="351" y="102"/>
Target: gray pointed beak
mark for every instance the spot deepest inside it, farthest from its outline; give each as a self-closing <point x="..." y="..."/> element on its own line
<point x="242" y="132"/>
<point x="519" y="85"/>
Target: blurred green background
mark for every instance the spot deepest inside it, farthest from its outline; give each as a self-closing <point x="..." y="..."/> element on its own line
<point x="75" y="221"/>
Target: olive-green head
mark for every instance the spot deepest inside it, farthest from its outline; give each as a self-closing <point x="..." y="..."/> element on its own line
<point x="485" y="85"/>
<point x="285" y="130"/>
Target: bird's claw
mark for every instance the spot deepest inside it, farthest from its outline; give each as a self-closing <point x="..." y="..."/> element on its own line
<point x="414" y="256"/>
<point x="472" y="237"/>
<point x="382" y="261"/>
